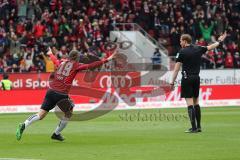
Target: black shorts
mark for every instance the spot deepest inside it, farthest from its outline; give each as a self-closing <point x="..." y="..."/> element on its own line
<point x="190" y="86"/>
<point x="52" y="98"/>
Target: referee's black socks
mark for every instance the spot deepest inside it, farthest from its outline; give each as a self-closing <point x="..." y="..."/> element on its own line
<point x="192" y="116"/>
<point x="198" y="115"/>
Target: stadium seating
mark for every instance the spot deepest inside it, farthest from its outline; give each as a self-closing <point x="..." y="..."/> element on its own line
<point x="28" y="27"/>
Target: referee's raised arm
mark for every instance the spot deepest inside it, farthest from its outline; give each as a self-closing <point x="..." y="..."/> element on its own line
<point x="219" y="41"/>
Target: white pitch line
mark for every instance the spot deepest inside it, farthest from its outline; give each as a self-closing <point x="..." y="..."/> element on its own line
<point x="18" y="159"/>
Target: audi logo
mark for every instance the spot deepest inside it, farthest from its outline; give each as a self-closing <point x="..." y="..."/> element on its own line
<point x="115" y="81"/>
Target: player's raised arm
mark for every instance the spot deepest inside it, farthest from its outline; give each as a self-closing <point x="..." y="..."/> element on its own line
<point x="216" y="44"/>
<point x="97" y="63"/>
<point x="53" y="57"/>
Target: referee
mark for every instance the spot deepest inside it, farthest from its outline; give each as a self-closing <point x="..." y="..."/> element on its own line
<point x="189" y="58"/>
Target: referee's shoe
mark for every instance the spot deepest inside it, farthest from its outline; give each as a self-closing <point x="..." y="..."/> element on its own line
<point x="199" y="129"/>
<point x="191" y="130"/>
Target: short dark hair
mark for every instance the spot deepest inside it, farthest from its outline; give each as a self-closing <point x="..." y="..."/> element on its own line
<point x="186" y="37"/>
<point x="74" y="55"/>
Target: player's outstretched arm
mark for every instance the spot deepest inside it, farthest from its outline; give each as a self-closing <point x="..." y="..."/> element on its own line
<point x="96" y="64"/>
<point x="216" y="44"/>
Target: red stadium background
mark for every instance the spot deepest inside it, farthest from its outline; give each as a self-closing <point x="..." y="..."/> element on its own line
<point x="29" y="90"/>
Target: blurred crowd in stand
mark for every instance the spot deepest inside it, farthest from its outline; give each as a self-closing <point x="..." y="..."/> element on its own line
<point x="28" y="27"/>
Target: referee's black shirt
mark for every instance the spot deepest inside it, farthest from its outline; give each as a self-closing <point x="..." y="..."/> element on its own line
<point x="190" y="57"/>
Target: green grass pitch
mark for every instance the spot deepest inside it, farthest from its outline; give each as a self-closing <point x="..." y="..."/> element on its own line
<point x="113" y="137"/>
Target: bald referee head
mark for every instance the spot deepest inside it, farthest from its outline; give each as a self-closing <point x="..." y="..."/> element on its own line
<point x="189" y="59"/>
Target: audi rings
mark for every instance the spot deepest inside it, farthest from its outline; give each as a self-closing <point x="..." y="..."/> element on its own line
<point x="124" y="45"/>
<point x="110" y="46"/>
<point x="116" y="81"/>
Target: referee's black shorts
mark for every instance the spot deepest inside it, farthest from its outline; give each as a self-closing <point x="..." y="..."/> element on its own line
<point x="190" y="86"/>
<point x="52" y="98"/>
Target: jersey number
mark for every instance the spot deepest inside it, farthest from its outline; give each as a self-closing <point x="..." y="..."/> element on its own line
<point x="65" y="68"/>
